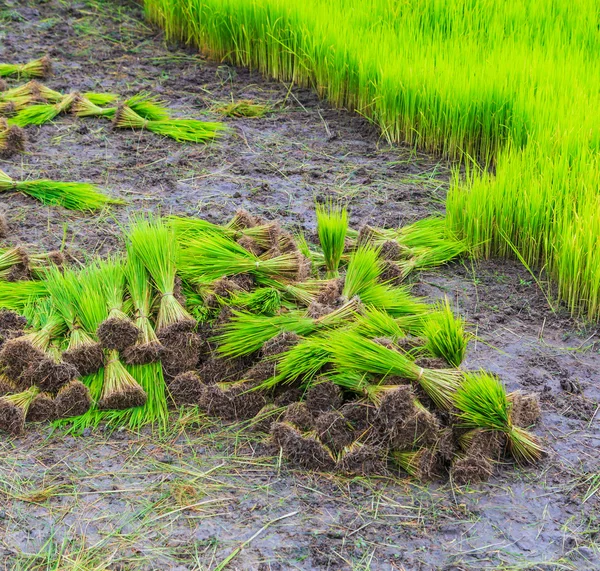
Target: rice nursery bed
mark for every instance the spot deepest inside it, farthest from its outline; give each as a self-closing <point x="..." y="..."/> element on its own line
<point x="264" y="352"/>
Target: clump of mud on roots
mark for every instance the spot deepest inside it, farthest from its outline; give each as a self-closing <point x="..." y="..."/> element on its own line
<point x="297" y="413"/>
<point x="396" y="406"/>
<point x="480" y="442"/>
<point x="334" y="430"/>
<point x="235" y="402"/>
<point x="331" y="293"/>
<point x="421" y="428"/>
<point x="11" y="320"/>
<point x="280" y="343"/>
<point x="323" y="396"/>
<point x="303" y="450"/>
<point x="16" y="355"/>
<point x="260" y="372"/>
<point x="6" y="387"/>
<point x="525" y="409"/>
<point x="73" y="399"/>
<point x="143" y="353"/>
<point x="12" y="418"/>
<point x="128" y="397"/>
<point x="360" y="414"/>
<point x="42" y="409"/>
<point x="424" y="464"/>
<point x="186" y="388"/>
<point x="48" y="375"/>
<point x="116" y="333"/>
<point x="471" y="469"/>
<point x="390" y="250"/>
<point x="362" y="460"/>
<point x="391" y="273"/>
<point x="285" y="396"/>
<point x="181" y="349"/>
<point x="87" y="359"/>
<point x="3" y="228"/>
<point x="215" y="370"/>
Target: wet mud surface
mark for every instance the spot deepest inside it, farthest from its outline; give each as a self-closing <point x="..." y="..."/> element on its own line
<point x="188" y="499"/>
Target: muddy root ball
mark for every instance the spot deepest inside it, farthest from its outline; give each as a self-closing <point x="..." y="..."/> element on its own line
<point x="432" y="363"/>
<point x="298" y="414"/>
<point x="304" y="451"/>
<point x="243" y="219"/>
<point x="180" y="353"/>
<point x="120" y="400"/>
<point x="117" y="334"/>
<point x="16" y="355"/>
<point x="391" y="273"/>
<point x="3" y="227"/>
<point x="12" y="419"/>
<point x="360" y="414"/>
<point x="525" y="410"/>
<point x="215" y="370"/>
<point x="390" y="250"/>
<point x="287" y="396"/>
<point x="42" y="409"/>
<point x="224" y="288"/>
<point x="48" y="375"/>
<point x="316" y="310"/>
<point x="471" y="469"/>
<point x="11" y="320"/>
<point x="427" y="465"/>
<point x="488" y="443"/>
<point x="247" y="403"/>
<point x="323" y="396"/>
<point x="215" y="402"/>
<point x="364" y="460"/>
<point x="280" y="343"/>
<point x="260" y="372"/>
<point x="142" y="353"/>
<point x="249" y="244"/>
<point x="6" y="387"/>
<point x="286" y="242"/>
<point x="396" y="406"/>
<point x="186" y="388"/>
<point x="73" y="400"/>
<point x="266" y="416"/>
<point x="87" y="359"/>
<point x="334" y="430"/>
<point x="445" y="445"/>
<point x="331" y="292"/>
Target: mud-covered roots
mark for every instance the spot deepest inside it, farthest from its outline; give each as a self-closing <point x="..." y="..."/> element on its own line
<point x="6" y="387"/>
<point x="481" y="442"/>
<point x="471" y="469"/>
<point x="143" y="353"/>
<point x="390" y="250"/>
<point x="73" y="399"/>
<point x="262" y="371"/>
<point x="181" y="350"/>
<point x="3" y="230"/>
<point x="127" y="397"/>
<point x="48" y="375"/>
<point x="396" y="406"/>
<point x="331" y="293"/>
<point x="316" y="310"/>
<point x="215" y="370"/>
<point x="11" y="320"/>
<point x="334" y="430"/>
<point x="323" y="396"/>
<point x="424" y="464"/>
<point x="87" y="359"/>
<point x="421" y="428"/>
<point x="186" y="388"/>
<point x="280" y="343"/>
<point x="236" y="402"/>
<point x="12" y="418"/>
<point x="117" y="333"/>
<point x="16" y="355"/>
<point x="360" y="414"/>
<point x="303" y="450"/>
<point x="298" y="414"/>
<point x="362" y="460"/>
<point x="266" y="416"/>
<point x="525" y="409"/>
<point x="42" y="409"/>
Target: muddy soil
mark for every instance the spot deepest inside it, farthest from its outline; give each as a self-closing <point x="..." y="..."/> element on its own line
<point x="188" y="499"/>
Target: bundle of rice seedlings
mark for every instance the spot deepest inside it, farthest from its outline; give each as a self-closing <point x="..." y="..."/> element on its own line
<point x="482" y="403"/>
<point x="119" y="389"/>
<point x="332" y="225"/>
<point x="445" y="335"/>
<point x="182" y="130"/>
<point x="14" y="263"/>
<point x="31" y="90"/>
<point x="117" y="332"/>
<point x="483" y="442"/>
<point x="351" y="351"/>
<point x="423" y="464"/>
<point x="12" y="139"/>
<point x="15" y="104"/>
<point x="17" y="295"/>
<point x="148" y="106"/>
<point x="41" y="67"/>
<point x="13" y="410"/>
<point x="49" y="373"/>
<point x="66" y="293"/>
<point x="211" y="256"/>
<point x="303" y="293"/>
<point x="305" y="450"/>
<point x="42" y="409"/>
<point x="144" y="104"/>
<point x="43" y="113"/>
<point x="84" y="106"/>
<point x="148" y="347"/>
<point x="72" y="195"/>
<point x="377" y="323"/>
<point x="265" y="301"/>
<point x="40" y="263"/>
<point x="73" y="400"/>
<point x="246" y="333"/>
<point x="242" y="108"/>
<point x="361" y="459"/>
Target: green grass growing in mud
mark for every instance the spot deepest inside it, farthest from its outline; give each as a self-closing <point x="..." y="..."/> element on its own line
<point x="510" y="86"/>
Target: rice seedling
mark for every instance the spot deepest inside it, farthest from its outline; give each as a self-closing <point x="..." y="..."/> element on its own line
<point x="43" y="113"/>
<point x="332" y="225"/>
<point x="119" y="389"/>
<point x="266" y="300"/>
<point x="153" y="242"/>
<point x="15" y="104"/>
<point x="41" y="67"/>
<point x="445" y="335"/>
<point x="483" y="403"/>
<point x="13" y="261"/>
<point x="117" y="332"/>
<point x="212" y="256"/>
<point x="13" y="410"/>
<point x="182" y="130"/>
<point x="18" y="295"/>
<point x="242" y="108"/>
<point x="144" y="104"/>
<point x="71" y="195"/>
<point x="12" y="139"/>
<point x="31" y="89"/>
<point x="422" y="464"/>
<point x="353" y="352"/>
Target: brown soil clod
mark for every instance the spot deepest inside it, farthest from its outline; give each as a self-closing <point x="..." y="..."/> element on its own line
<point x="16" y="355"/>
<point x="334" y="430"/>
<point x="303" y="450"/>
<point x="480" y="442"/>
<point x="6" y="387"/>
<point x="142" y="353"/>
<point x="186" y="388"/>
<point x="49" y="375"/>
<point x="391" y="273"/>
<point x="246" y="402"/>
<point x="12" y="419"/>
<point x="323" y="396"/>
<point x="471" y="469"/>
<point x="181" y="350"/>
<point x="87" y="359"/>
<point x="525" y="409"/>
<point x="260" y="372"/>
<point x="117" y="334"/>
<point x="396" y="406"/>
<point x="73" y="399"/>
<point x="360" y="414"/>
<point x="362" y="460"/>
<point x="11" y="320"/>
<point x="215" y="370"/>
<point x="280" y="343"/>
<point x="266" y="416"/>
<point x="298" y="414"/>
<point x="42" y="409"/>
<point x="131" y="397"/>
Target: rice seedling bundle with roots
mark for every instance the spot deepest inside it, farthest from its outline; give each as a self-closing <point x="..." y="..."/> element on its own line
<point x="41" y="67"/>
